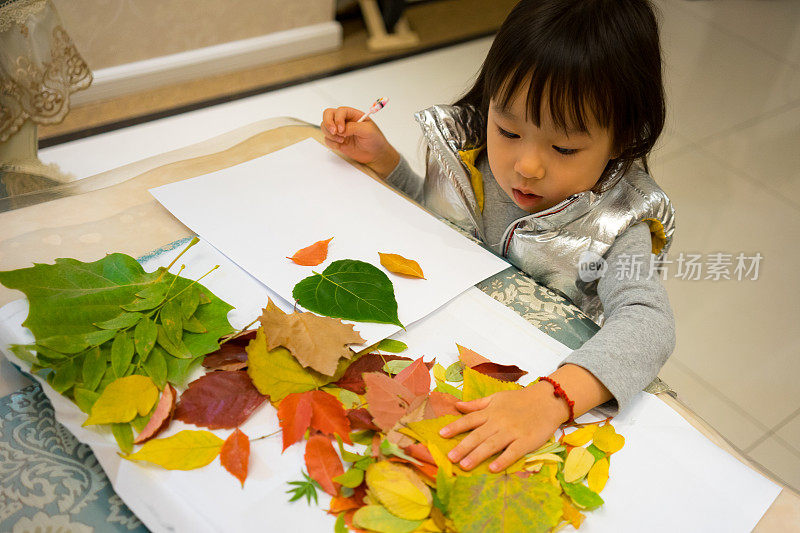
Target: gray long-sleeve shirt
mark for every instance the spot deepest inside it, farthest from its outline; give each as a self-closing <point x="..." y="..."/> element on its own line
<point x="638" y="334"/>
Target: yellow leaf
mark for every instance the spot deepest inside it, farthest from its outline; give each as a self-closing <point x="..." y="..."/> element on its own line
<point x="598" y="475"/>
<point x="123" y="399"/>
<point x="580" y="436"/>
<point x="439" y="372"/>
<point x="400" y="265"/>
<point x="579" y="461"/>
<point x="186" y="450"/>
<point x="607" y="439"/>
<point x="400" y="490"/>
<point x="441" y="460"/>
<point x="477" y="385"/>
<point x="544" y="457"/>
<point x="571" y="513"/>
<point x="276" y="373"/>
<point x="427" y="432"/>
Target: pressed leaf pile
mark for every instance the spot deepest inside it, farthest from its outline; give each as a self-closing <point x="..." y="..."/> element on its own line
<point x="115" y="340"/>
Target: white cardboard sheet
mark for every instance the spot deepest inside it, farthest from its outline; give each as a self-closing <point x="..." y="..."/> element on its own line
<point x="263" y="210"/>
<point x="668" y="477"/>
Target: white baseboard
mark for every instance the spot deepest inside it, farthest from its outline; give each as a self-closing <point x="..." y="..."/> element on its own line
<point x="227" y="57"/>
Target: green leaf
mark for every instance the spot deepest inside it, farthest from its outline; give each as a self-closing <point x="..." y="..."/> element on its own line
<point x="303" y="489"/>
<point x="378" y="518"/>
<point x="504" y="503"/>
<point x="189" y="301"/>
<point x="156" y="367"/>
<point x="63" y="376"/>
<point x="339" y="526"/>
<point x="349" y="399"/>
<point x="172" y="321"/>
<point x="392" y="346"/>
<point x="390" y="448"/>
<point x="121" y="353"/>
<point x="94" y="366"/>
<point x="123" y="433"/>
<point x="446" y="388"/>
<point x="193" y="325"/>
<point x="178" y="350"/>
<point x="25" y="352"/>
<point x="581" y="495"/>
<point x="352" y="478"/>
<point x="596" y="452"/>
<point x="454" y="372"/>
<point x="85" y="399"/>
<point x="179" y="369"/>
<point x="396" y="366"/>
<point x="444" y="486"/>
<point x="349" y="289"/>
<point x="69" y="297"/>
<point x="149" y="297"/>
<point x="64" y="344"/>
<point x="144" y="337"/>
<point x="125" y="320"/>
<point x="96" y="338"/>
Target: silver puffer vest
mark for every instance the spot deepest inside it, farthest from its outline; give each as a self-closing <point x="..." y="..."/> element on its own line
<point x="549" y="245"/>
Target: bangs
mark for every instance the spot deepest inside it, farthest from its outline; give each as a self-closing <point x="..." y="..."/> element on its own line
<point x="559" y="69"/>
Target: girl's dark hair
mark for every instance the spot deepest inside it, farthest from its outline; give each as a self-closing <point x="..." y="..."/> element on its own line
<point x="587" y="58"/>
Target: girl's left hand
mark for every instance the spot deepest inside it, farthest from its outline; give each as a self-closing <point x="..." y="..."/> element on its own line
<point x="517" y="421"/>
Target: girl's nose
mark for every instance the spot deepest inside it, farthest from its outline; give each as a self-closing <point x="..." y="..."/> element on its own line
<point x="529" y="165"/>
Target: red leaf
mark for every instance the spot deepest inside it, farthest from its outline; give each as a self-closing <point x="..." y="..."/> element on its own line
<point x="441" y="404"/>
<point x="470" y="358"/>
<point x="315" y="409"/>
<point x="235" y="455"/>
<point x="323" y="463"/>
<point x="294" y="413"/>
<point x="231" y="354"/>
<point x="361" y="419"/>
<point x="426" y="469"/>
<point x="415" y="377"/>
<point x="387" y="399"/>
<point x="161" y="417"/>
<point x="312" y="255"/>
<point x="219" y="400"/>
<point x="353" y="379"/>
<point x="502" y="372"/>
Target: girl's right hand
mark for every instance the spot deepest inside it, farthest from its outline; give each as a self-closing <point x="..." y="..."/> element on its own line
<point x="361" y="141"/>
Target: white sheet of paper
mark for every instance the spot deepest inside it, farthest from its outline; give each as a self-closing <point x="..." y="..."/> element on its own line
<point x="667" y="478"/>
<point x="259" y="212"/>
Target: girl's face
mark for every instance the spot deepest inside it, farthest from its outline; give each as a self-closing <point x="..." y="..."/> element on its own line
<point x="540" y="166"/>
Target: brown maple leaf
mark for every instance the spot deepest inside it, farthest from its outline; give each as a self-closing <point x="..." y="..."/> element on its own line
<point x="315" y="341"/>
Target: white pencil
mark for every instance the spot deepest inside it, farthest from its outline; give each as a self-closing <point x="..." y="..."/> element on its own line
<point x="377" y="106"/>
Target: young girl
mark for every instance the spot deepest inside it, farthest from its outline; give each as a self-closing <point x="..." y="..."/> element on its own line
<point x="544" y="161"/>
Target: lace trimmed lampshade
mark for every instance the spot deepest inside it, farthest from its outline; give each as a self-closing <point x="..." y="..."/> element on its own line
<point x="39" y="69"/>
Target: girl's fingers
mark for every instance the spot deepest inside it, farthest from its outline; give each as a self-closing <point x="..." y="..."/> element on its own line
<point x="484" y="450"/>
<point x="474" y="405"/>
<point x="513" y="452"/>
<point x="328" y="126"/>
<point x="470" y="442"/>
<point x="465" y="423"/>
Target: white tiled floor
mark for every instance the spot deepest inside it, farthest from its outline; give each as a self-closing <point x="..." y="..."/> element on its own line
<point x="729" y="159"/>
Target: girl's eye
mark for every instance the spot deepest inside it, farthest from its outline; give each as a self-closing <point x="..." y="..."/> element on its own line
<point x="564" y="151"/>
<point x="508" y="134"/>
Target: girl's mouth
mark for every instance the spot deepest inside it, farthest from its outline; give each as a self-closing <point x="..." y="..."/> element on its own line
<point x="524" y="199"/>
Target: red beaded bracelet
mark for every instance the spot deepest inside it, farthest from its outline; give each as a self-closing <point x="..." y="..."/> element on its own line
<point x="559" y="393"/>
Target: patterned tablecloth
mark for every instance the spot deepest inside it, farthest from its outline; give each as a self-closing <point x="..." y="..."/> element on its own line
<point x="53" y="483"/>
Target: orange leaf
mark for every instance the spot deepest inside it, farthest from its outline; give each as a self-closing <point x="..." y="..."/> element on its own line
<point x="388" y="399"/>
<point x="400" y="265"/>
<point x="312" y="255"/>
<point x="340" y="504"/>
<point x="235" y="455"/>
<point x="470" y="358"/>
<point x="294" y="414"/>
<point x="323" y="463"/>
<point x="415" y="377"/>
<point x="161" y="417"/>
<point x="313" y="409"/>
